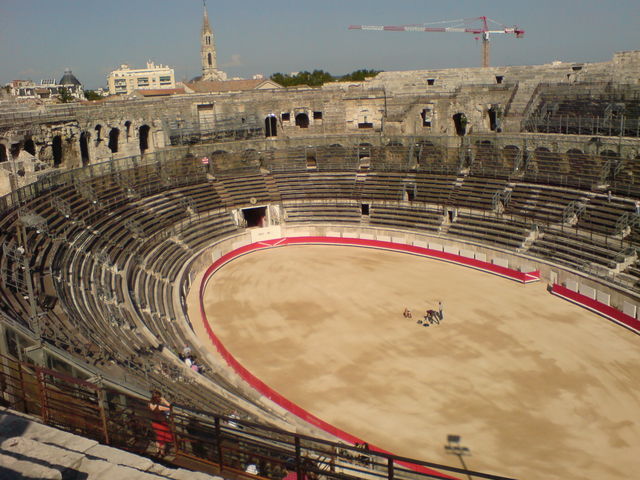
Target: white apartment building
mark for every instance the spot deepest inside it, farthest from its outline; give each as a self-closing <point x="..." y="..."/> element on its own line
<point x="125" y="80"/>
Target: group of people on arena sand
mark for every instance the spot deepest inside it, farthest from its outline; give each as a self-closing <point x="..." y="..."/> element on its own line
<point x="431" y="316"/>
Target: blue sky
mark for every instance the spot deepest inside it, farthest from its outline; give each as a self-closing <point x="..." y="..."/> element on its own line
<point x="39" y="38"/>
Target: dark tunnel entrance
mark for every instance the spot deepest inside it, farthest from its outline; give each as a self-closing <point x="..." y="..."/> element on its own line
<point x="255" y="217"/>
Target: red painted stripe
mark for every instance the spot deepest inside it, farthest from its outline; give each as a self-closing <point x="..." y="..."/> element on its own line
<point x="269" y="392"/>
<point x="603" y="309"/>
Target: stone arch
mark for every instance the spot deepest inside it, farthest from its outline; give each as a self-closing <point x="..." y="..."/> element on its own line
<point x="114" y="133"/>
<point x="209" y="59"/>
<point x="609" y="154"/>
<point x="302" y="120"/>
<point x="549" y="162"/>
<point x="364" y="156"/>
<point x="460" y="123"/>
<point x="331" y="153"/>
<point x="485" y="153"/>
<point x="219" y="158"/>
<point x="510" y="154"/>
<point x="84" y="148"/>
<point x="311" y="159"/>
<point x="3" y="153"/>
<point x="143" y="138"/>
<point x="425" y="152"/>
<point x="30" y="146"/>
<point x="56" y="149"/>
<point x="271" y="126"/>
<point x="395" y="152"/>
<point x="581" y="163"/>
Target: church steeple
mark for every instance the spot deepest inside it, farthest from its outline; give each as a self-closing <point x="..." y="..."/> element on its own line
<point x="208" y="51"/>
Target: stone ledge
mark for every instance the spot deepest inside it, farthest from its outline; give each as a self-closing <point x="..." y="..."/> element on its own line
<point x="29" y="449"/>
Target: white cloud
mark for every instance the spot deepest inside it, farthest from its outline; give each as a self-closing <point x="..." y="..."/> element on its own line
<point x="235" y="61"/>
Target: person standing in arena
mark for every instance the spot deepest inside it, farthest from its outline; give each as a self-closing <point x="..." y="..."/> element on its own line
<point x="440" y="311"/>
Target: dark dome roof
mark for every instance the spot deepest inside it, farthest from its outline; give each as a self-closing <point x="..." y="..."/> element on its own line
<point x="69" y="79"/>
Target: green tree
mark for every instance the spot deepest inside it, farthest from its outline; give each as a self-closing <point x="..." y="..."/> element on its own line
<point x="92" y="95"/>
<point x="359" y="75"/>
<point x="312" y="79"/>
<point x="320" y="77"/>
<point x="64" y="95"/>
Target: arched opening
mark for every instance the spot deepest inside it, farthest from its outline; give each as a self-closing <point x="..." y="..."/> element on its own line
<point x="209" y="59"/>
<point x="485" y="155"/>
<point x="3" y="153"/>
<point x="113" y="140"/>
<point x="271" y="126"/>
<point x="30" y="147"/>
<point x="541" y="156"/>
<point x="302" y="120"/>
<point x="14" y="150"/>
<point x="460" y="122"/>
<point x="427" y="153"/>
<point x="84" y="148"/>
<point x="510" y="156"/>
<point x="494" y="118"/>
<point x="56" y="148"/>
<point x="143" y="137"/>
<point x="364" y="156"/>
<point x="552" y="164"/>
<point x="127" y="126"/>
<point x="312" y="163"/>
<point x="98" y="130"/>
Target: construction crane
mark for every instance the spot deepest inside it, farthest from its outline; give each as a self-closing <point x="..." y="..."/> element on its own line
<point x="459" y="26"/>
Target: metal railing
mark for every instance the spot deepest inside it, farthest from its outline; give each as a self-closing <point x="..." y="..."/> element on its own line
<point x="207" y="441"/>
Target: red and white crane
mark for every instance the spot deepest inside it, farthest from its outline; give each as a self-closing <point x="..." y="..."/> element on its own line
<point x="484" y="30"/>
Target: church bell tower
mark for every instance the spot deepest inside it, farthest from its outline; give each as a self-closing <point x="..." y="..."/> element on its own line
<point x="208" y="51"/>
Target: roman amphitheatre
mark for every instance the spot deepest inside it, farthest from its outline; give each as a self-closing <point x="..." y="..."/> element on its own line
<point x="507" y="193"/>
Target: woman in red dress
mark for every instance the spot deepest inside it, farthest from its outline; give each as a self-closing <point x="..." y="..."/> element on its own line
<point x="160" y="409"/>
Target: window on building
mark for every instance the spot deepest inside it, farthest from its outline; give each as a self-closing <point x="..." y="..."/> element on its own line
<point x="431" y="81"/>
<point x="426" y="116"/>
<point x="286" y="116"/>
<point x="317" y="115"/>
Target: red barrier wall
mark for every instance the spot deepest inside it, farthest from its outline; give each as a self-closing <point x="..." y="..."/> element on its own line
<point x="606" y="311"/>
<point x="270" y="393"/>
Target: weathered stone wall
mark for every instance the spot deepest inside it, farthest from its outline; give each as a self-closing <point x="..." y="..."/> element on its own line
<point x="412" y="104"/>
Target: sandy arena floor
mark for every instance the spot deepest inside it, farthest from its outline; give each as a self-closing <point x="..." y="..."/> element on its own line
<point x="538" y="388"/>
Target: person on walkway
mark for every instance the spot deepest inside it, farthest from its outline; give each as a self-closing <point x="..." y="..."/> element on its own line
<point x="160" y="409"/>
<point x="186" y="351"/>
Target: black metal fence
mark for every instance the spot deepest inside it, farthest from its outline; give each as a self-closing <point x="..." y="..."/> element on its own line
<point x="226" y="445"/>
